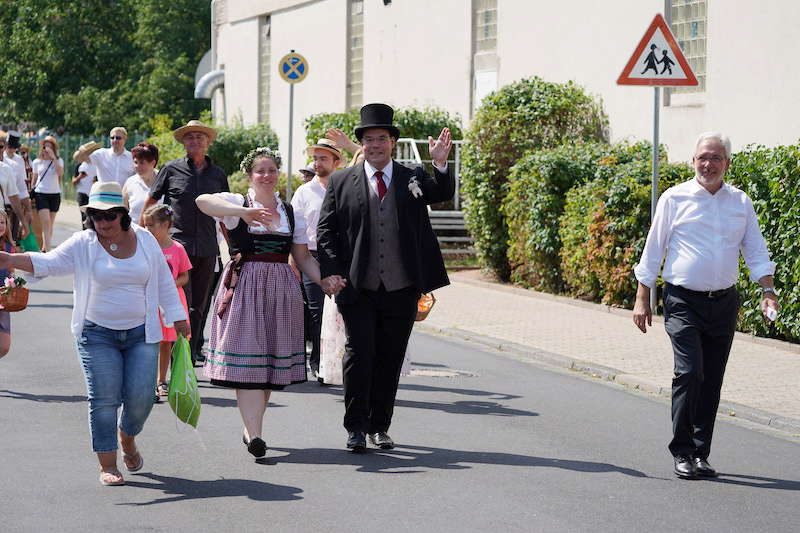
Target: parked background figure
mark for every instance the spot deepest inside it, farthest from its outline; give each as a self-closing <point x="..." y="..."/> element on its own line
<point x="18" y="219"/>
<point x="307" y="202"/>
<point x="179" y="183"/>
<point x="48" y="170"/>
<point x="115" y="163"/>
<point x="86" y="174"/>
<point x="257" y="343"/>
<point x="120" y="282"/>
<point x="136" y="190"/>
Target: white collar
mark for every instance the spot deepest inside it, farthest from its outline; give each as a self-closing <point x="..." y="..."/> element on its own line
<point x="370" y="170"/>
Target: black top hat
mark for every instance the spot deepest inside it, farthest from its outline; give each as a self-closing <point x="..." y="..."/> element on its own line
<point x="377" y="116"/>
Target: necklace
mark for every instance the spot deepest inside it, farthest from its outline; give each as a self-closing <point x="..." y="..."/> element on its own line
<point x="113" y="247"/>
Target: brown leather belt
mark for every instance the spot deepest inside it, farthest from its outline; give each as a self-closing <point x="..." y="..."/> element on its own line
<point x="232" y="276"/>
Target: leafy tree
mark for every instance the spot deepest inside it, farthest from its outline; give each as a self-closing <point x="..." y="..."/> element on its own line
<point x="86" y="66"/>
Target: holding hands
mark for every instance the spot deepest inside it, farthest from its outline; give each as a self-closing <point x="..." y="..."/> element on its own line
<point x="333" y="284"/>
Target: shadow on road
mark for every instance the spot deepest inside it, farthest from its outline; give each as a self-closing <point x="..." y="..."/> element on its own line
<point x="49" y="291"/>
<point x="465" y="392"/>
<point x="758" y="482"/>
<point x="52" y="306"/>
<point x="180" y="489"/>
<point x="413" y="459"/>
<point x="46" y="398"/>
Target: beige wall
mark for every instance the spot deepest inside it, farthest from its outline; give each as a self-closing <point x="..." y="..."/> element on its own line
<point x="418" y="52"/>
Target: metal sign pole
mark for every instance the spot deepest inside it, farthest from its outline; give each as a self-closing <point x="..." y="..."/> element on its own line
<point x="289" y="155"/>
<point x="654" y="191"/>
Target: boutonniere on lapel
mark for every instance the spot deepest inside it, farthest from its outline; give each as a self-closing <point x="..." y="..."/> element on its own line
<point x="413" y="186"/>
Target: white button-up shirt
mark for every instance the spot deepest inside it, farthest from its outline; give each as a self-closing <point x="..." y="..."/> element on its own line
<point x="112" y="167"/>
<point x="701" y="235"/>
<point x="17" y="165"/>
<point x="307" y="203"/>
<point x="370" y="171"/>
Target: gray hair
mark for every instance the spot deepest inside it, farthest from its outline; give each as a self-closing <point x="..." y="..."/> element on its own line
<point x="721" y="137"/>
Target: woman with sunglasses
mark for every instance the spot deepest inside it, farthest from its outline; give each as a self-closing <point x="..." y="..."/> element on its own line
<point x="121" y="280"/>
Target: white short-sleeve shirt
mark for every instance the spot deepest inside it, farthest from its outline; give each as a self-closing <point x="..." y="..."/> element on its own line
<point x="112" y="167"/>
<point x="47" y="182"/>
<point x="307" y="203"/>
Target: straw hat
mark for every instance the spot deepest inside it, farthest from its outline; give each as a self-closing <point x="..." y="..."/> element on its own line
<point x="81" y="155"/>
<point x="325" y="144"/>
<point x="52" y="140"/>
<point x="195" y="125"/>
<point x="105" y="195"/>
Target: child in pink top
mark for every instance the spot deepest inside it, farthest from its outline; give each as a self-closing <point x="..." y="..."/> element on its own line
<point x="158" y="221"/>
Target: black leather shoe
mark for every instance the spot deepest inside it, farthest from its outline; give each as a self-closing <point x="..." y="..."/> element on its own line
<point x="684" y="468"/>
<point x="702" y="467"/>
<point x="357" y="441"/>
<point x="256" y="447"/>
<point x="382" y="440"/>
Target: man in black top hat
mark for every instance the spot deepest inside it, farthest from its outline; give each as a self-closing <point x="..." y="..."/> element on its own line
<point x="374" y="231"/>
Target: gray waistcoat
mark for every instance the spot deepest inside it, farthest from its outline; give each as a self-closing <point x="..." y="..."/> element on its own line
<point x="385" y="263"/>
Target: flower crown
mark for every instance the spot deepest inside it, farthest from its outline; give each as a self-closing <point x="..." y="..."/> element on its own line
<point x="246" y="165"/>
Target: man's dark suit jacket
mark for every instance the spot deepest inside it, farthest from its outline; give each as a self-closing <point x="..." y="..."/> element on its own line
<point x="343" y="228"/>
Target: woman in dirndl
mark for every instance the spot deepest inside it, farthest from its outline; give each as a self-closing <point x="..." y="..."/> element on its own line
<point x="257" y="340"/>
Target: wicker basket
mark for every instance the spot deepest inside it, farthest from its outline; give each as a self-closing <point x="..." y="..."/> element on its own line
<point x="16" y="299"/>
<point x="424" y="306"/>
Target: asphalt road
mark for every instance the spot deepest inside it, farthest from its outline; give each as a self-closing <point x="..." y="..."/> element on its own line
<point x="486" y="442"/>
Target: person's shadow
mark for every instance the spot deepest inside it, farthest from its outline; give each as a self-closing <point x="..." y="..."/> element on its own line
<point x="44" y="398"/>
<point x="178" y="489"/>
<point x="758" y="482"/>
<point x="414" y="459"/>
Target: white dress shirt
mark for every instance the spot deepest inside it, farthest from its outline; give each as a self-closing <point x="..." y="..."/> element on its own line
<point x="387" y="174"/>
<point x="231" y="221"/>
<point x="8" y="185"/>
<point x="701" y="235"/>
<point x="17" y="165"/>
<point x="112" y="167"/>
<point x="307" y="203"/>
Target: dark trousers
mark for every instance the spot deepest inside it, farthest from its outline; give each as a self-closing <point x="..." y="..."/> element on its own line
<point x="314" y="301"/>
<point x="701" y="329"/>
<point x="201" y="280"/>
<point x="378" y="325"/>
<point x="83" y="199"/>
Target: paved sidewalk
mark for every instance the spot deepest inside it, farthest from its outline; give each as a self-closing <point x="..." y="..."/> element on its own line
<point x="761" y="382"/>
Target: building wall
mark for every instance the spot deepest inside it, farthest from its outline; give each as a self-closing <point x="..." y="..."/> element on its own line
<point x="418" y="52"/>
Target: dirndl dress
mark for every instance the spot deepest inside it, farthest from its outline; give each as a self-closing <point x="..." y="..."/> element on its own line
<point x="257" y="334"/>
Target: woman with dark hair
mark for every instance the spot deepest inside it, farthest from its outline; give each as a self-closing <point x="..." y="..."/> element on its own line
<point x="120" y="281"/>
<point x="136" y="190"/>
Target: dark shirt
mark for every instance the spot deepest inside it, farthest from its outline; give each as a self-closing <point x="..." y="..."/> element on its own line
<point x="180" y="184"/>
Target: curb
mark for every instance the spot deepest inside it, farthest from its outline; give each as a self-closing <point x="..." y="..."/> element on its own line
<point x="605" y="373"/>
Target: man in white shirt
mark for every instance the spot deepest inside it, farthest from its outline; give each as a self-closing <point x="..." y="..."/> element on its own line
<point x="307" y="202"/>
<point x="10" y="196"/>
<point x="701" y="226"/>
<point x="115" y="163"/>
<point x="23" y="213"/>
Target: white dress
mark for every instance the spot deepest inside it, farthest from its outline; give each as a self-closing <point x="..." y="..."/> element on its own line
<point x="332" y="345"/>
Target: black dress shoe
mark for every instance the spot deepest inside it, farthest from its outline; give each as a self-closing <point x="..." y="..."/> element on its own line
<point x="356" y="441"/>
<point x="256" y="446"/>
<point x="382" y="440"/>
<point x="684" y="468"/>
<point x="702" y="467"/>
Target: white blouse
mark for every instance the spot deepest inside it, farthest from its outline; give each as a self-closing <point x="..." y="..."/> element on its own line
<point x="118" y="280"/>
<point x="299" y="237"/>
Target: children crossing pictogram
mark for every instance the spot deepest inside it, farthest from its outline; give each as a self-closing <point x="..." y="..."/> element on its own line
<point x="657" y="48"/>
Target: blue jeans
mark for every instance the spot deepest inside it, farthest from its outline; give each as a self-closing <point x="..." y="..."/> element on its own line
<point x="120" y="369"/>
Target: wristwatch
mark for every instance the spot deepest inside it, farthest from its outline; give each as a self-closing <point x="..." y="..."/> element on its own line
<point x="765" y="290"/>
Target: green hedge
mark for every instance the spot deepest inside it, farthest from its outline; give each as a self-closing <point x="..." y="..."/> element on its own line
<point x="528" y="114"/>
<point x="604" y="228"/>
<point x="535" y="201"/>
<point x="412" y="122"/>
<point x="227" y="151"/>
<point x="771" y="177"/>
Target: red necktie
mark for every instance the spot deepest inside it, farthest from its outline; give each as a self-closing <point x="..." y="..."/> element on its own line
<point x="381" y="185"/>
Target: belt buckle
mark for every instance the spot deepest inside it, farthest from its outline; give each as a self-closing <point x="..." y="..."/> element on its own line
<point x="711" y="295"/>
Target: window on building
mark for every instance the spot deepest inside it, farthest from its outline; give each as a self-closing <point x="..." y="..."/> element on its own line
<point x="264" y="67"/>
<point x="484" y="49"/>
<point x="355" y="54"/>
<point x="688" y="20"/>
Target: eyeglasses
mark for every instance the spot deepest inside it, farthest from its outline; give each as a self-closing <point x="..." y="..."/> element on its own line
<point x="116" y="138"/>
<point x="375" y="140"/>
<point x="104" y="216"/>
<point x="713" y="159"/>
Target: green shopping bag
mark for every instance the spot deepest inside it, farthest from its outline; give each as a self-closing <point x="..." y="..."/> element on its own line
<point x="184" y="398"/>
<point x="29" y="243"/>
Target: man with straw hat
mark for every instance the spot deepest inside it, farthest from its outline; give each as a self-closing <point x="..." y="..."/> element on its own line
<point x="179" y="183"/>
<point x="307" y="202"/>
